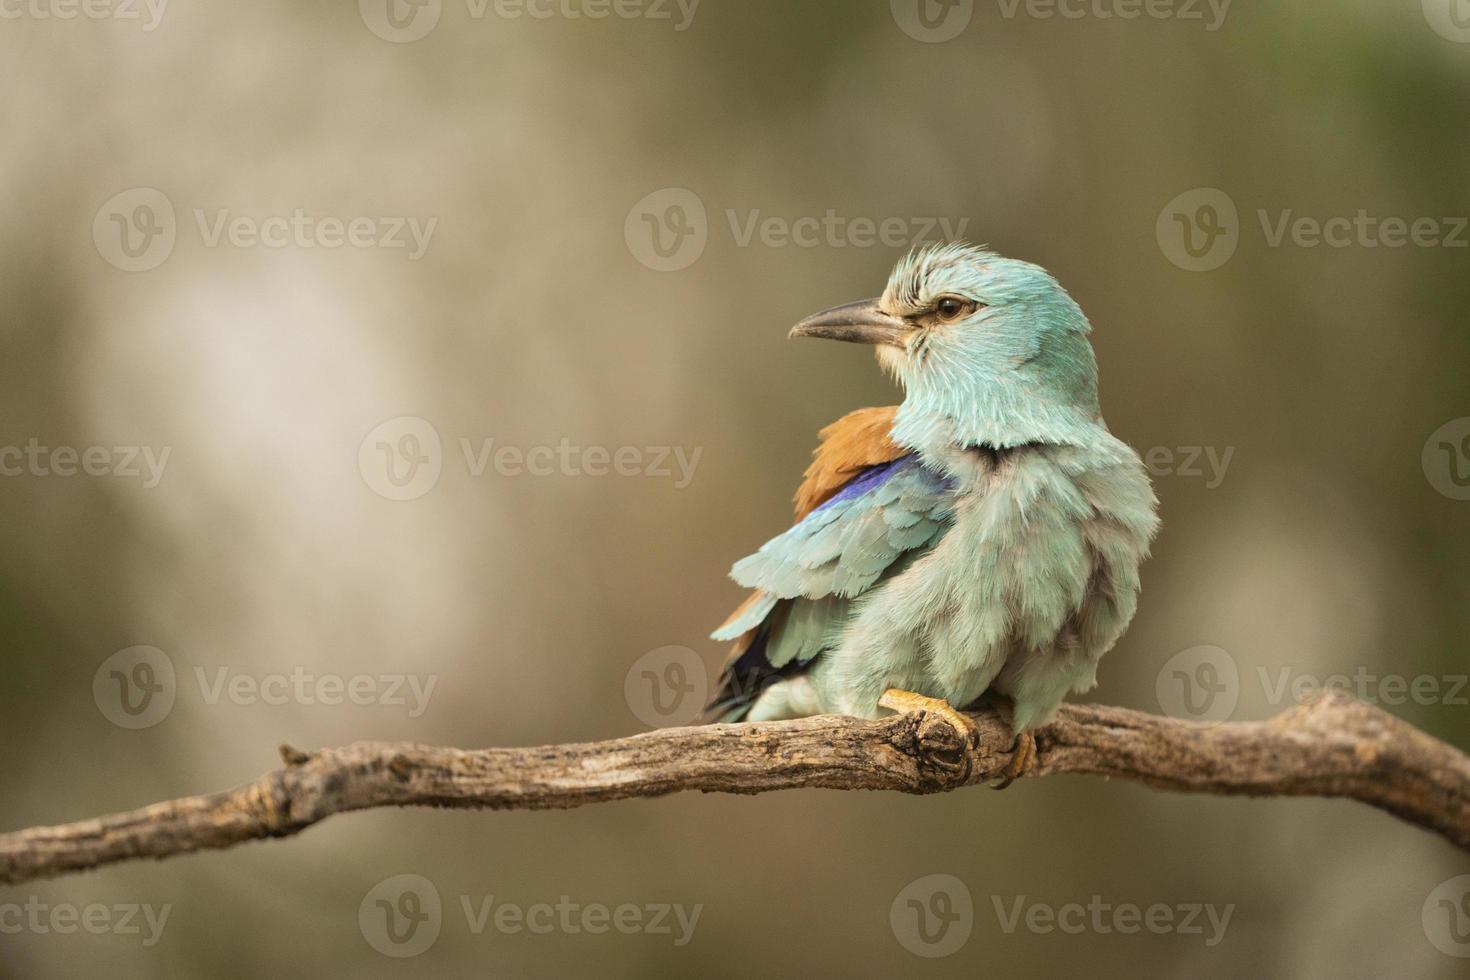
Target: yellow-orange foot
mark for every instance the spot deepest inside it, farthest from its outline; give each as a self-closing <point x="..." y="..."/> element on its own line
<point x="1023" y="760"/>
<point x="907" y="702"/>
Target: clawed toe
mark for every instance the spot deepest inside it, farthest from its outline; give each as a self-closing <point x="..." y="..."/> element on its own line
<point x="1023" y="760"/>
<point x="907" y="702"/>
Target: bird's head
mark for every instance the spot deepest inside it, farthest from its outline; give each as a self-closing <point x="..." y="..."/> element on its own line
<point x="990" y="351"/>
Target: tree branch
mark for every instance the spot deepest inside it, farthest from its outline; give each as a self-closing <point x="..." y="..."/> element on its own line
<point x="1331" y="746"/>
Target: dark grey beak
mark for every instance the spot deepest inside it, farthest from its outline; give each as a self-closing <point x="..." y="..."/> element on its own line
<point x="856" y="323"/>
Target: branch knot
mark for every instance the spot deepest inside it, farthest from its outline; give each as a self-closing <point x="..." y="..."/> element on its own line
<point x="944" y="755"/>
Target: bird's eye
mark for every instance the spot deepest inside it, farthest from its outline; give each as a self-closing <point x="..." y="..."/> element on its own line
<point x="950" y="308"/>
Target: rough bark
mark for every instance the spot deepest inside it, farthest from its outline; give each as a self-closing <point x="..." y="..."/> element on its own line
<point x="1331" y="746"/>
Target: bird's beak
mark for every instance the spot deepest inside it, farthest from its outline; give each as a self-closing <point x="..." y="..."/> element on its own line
<point x="857" y="323"/>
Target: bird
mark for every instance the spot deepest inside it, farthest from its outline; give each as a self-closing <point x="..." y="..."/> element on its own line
<point x="980" y="540"/>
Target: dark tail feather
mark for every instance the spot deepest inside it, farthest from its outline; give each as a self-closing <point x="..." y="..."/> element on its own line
<point x="744" y="680"/>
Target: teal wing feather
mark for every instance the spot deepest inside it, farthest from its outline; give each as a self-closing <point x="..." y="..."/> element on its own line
<point x="841" y="548"/>
<point x="808" y="578"/>
<point x="750" y="616"/>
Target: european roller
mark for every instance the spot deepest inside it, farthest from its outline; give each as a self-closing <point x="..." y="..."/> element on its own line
<point x="982" y="538"/>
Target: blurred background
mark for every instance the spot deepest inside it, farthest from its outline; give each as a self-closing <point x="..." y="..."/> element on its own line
<point x="358" y="305"/>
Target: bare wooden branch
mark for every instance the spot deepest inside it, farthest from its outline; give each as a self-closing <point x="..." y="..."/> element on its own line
<point x="1331" y="746"/>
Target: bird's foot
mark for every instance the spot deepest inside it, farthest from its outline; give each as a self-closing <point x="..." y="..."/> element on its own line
<point x="1023" y="760"/>
<point x="907" y="702"/>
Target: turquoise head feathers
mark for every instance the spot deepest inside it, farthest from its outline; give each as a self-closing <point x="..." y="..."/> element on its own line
<point x="990" y="351"/>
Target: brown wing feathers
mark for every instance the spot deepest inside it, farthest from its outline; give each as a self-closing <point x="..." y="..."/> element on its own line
<point x="848" y="446"/>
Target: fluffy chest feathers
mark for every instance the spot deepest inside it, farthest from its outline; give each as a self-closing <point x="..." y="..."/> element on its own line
<point x="1012" y="570"/>
<point x="1035" y="578"/>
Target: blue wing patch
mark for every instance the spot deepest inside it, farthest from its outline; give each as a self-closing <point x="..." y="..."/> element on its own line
<point x="808" y="578"/>
<point x="844" y="546"/>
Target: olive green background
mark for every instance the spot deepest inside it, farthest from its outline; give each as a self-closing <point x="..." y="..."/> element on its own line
<point x="1325" y="548"/>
